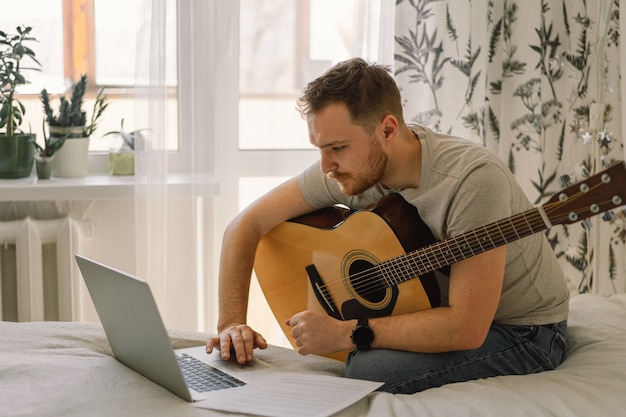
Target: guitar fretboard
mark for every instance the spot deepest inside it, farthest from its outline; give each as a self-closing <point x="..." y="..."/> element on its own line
<point x="449" y="251"/>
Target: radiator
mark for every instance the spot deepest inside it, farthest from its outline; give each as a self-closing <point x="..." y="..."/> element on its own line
<point x="39" y="277"/>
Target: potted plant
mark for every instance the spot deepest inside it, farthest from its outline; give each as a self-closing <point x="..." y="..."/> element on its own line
<point x="70" y="121"/>
<point x="16" y="149"/>
<point x="122" y="150"/>
<point x="45" y="154"/>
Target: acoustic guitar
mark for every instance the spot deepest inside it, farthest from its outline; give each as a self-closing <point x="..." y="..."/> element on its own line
<point x="382" y="260"/>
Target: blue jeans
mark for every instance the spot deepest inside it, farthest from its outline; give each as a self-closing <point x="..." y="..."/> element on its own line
<point x="507" y="350"/>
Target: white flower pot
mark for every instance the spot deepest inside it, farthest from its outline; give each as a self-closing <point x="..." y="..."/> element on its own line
<point x="72" y="159"/>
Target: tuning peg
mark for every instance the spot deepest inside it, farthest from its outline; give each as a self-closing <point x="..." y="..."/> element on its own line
<point x="565" y="180"/>
<point x="608" y="216"/>
<point x="586" y="224"/>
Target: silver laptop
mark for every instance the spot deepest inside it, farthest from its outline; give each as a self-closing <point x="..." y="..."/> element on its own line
<point x="138" y="338"/>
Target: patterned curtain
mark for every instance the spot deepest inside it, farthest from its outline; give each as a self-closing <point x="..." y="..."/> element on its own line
<point x="537" y="82"/>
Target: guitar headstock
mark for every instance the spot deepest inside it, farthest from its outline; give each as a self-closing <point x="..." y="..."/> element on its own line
<point x="597" y="194"/>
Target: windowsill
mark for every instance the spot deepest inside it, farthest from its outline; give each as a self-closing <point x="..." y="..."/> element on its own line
<point x="100" y="187"/>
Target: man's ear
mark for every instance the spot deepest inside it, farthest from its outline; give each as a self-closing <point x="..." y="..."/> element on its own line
<point x="390" y="127"/>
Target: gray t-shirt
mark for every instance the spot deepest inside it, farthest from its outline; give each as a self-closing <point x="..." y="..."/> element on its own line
<point x="463" y="187"/>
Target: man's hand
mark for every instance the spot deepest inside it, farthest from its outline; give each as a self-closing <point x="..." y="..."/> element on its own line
<point x="317" y="333"/>
<point x="239" y="339"/>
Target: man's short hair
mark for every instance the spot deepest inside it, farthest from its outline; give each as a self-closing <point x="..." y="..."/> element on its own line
<point x="368" y="91"/>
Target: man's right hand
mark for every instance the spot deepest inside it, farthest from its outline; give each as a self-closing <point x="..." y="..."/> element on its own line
<point x="237" y="339"/>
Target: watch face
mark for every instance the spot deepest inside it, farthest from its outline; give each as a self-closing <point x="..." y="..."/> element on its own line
<point x="363" y="336"/>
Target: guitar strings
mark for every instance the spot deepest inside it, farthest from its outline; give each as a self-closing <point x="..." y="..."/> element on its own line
<point x="428" y="259"/>
<point x="369" y="280"/>
<point x="432" y="257"/>
<point x="364" y="279"/>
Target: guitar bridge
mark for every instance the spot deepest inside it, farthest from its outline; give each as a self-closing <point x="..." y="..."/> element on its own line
<point x="323" y="297"/>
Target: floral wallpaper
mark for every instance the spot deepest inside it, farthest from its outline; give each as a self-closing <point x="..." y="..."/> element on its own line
<point x="536" y="82"/>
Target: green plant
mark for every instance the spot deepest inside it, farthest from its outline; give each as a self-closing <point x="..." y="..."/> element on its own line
<point x="131" y="139"/>
<point x="71" y="112"/>
<point x="50" y="146"/>
<point x="13" y="50"/>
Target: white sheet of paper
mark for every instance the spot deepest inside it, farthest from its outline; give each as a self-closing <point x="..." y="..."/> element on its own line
<point x="288" y="394"/>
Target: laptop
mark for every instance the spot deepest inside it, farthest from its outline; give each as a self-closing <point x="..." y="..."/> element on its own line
<point x="138" y="338"/>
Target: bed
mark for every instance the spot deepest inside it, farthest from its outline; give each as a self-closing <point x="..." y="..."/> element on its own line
<point x="66" y="369"/>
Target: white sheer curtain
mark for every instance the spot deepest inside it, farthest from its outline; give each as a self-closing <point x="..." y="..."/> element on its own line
<point x="176" y="187"/>
<point x="151" y="163"/>
<point x="179" y="227"/>
<point x="169" y="196"/>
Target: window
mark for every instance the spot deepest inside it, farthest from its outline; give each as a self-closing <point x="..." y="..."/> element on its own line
<point x="115" y="39"/>
<point x="283" y="45"/>
<point x="46" y="18"/>
<point x="91" y="37"/>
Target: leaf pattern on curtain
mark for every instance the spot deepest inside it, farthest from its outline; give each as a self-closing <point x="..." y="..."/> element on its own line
<point x="536" y="82"/>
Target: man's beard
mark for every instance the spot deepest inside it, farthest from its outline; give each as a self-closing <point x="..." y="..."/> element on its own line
<point x="369" y="175"/>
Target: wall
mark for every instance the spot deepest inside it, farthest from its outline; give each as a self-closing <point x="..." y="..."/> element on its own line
<point x="114" y="243"/>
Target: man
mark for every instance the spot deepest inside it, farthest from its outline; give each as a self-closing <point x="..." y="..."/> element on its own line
<point x="504" y="310"/>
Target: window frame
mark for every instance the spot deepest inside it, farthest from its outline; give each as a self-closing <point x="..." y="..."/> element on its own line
<point x="79" y="41"/>
<point x="80" y="58"/>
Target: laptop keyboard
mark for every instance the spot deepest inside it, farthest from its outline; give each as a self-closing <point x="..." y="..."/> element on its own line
<point x="202" y="377"/>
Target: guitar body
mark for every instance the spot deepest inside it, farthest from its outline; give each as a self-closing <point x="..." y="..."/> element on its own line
<point x="339" y="244"/>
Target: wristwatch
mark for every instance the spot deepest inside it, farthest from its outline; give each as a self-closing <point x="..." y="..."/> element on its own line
<point x="362" y="335"/>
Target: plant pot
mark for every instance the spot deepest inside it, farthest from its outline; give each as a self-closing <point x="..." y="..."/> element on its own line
<point x="44" y="166"/>
<point x="72" y="160"/>
<point x="121" y="157"/>
<point x="17" y="154"/>
<point x="122" y="163"/>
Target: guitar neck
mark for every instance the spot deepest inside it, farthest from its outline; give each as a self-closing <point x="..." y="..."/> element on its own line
<point x="466" y="245"/>
<point x="600" y="192"/>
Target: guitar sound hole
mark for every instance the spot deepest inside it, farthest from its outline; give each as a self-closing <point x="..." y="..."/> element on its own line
<point x="368" y="285"/>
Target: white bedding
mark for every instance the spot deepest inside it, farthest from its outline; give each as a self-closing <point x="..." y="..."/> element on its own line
<point x="66" y="369"/>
